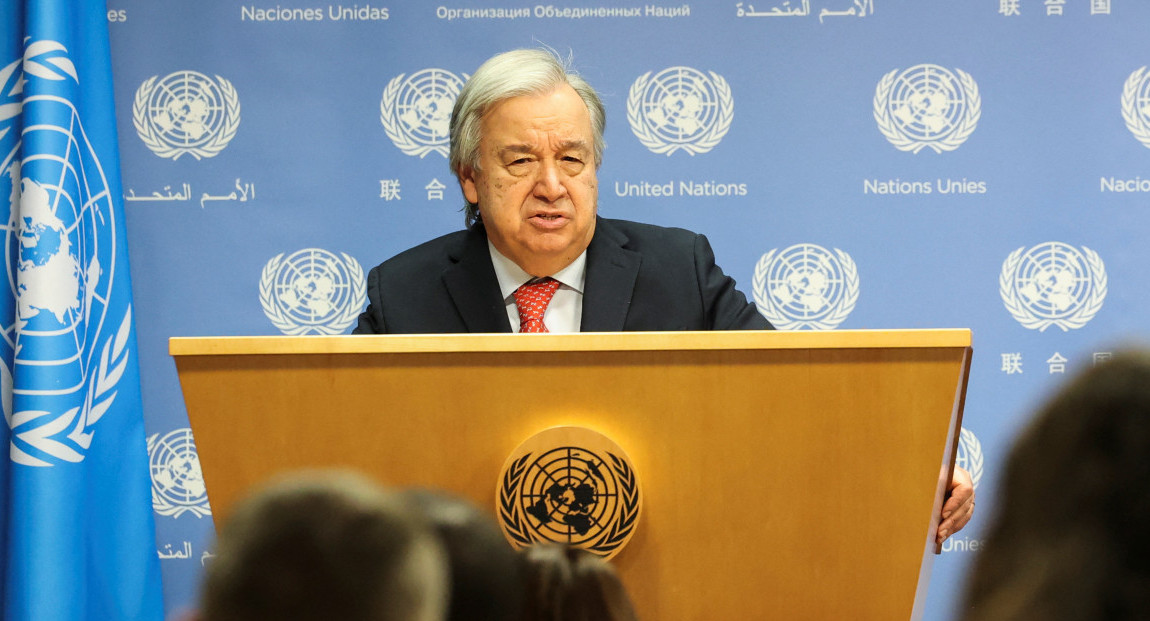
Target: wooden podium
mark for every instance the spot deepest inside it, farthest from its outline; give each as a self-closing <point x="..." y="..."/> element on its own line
<point x="785" y="475"/>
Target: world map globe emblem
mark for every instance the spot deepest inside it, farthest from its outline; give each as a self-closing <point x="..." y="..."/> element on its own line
<point x="680" y="108"/>
<point x="416" y="111"/>
<point x="969" y="455"/>
<point x="186" y="113"/>
<point x="927" y="106"/>
<point x="1053" y="284"/>
<point x="177" y="480"/>
<point x="570" y="493"/>
<point x="1136" y="105"/>
<point x="312" y="291"/>
<point x="805" y="286"/>
<point x="60" y="256"/>
<point x="569" y="485"/>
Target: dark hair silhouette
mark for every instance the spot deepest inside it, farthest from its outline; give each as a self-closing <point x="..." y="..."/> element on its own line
<point x="570" y="584"/>
<point x="486" y="572"/>
<point x="1070" y="540"/>
<point x="325" y="545"/>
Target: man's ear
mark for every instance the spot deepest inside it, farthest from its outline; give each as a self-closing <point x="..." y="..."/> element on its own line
<point x="467" y="184"/>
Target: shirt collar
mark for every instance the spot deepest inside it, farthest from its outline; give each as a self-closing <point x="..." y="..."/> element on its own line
<point x="511" y="276"/>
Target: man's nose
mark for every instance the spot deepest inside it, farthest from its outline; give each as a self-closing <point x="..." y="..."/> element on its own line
<point x="549" y="185"/>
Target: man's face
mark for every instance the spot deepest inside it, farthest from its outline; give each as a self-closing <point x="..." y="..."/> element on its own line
<point x="536" y="185"/>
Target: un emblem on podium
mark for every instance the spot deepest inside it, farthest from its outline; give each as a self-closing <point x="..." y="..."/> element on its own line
<point x="927" y="106"/>
<point x="569" y="485"/>
<point x="1053" y="284"/>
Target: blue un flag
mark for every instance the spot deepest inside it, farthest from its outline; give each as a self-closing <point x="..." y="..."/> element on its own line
<point x="76" y="524"/>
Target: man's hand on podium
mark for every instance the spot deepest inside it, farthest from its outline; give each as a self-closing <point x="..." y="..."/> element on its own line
<point x="959" y="505"/>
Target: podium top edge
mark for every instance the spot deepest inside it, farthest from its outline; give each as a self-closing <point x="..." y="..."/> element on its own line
<point x="587" y="341"/>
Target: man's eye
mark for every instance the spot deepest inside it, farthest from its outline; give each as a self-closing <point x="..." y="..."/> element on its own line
<point x="572" y="164"/>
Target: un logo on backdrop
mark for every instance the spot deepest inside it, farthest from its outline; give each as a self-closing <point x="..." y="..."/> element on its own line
<point x="680" y="108"/>
<point x="312" y="292"/>
<point x="927" y="106"/>
<point x="806" y="286"/>
<point x="969" y="455"/>
<point x="186" y="113"/>
<point x="177" y="481"/>
<point x="1136" y="105"/>
<point x="65" y="333"/>
<point x="416" y="111"/>
<point x="1053" y="284"/>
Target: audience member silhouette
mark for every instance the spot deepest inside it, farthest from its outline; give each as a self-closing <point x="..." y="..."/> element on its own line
<point x="570" y="584"/>
<point x="325" y="545"/>
<point x="1070" y="538"/>
<point x="486" y="572"/>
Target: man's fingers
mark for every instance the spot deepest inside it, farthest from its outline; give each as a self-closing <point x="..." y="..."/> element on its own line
<point x="962" y="516"/>
<point x="959" y="505"/>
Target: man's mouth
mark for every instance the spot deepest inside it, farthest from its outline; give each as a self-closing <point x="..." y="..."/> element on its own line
<point x="548" y="219"/>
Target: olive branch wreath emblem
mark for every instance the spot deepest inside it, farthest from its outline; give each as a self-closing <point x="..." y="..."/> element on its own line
<point x="100" y="395"/>
<point x="287" y="325"/>
<point x="768" y="308"/>
<point x="155" y="141"/>
<point x="40" y="429"/>
<point x="705" y="143"/>
<point x="1028" y="318"/>
<point x="160" y="504"/>
<point x="974" y="457"/>
<point x="518" y="529"/>
<point x="1135" y="122"/>
<point x="960" y="132"/>
<point x="394" y="129"/>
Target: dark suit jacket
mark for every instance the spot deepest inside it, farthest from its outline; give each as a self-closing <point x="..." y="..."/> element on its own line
<point x="639" y="278"/>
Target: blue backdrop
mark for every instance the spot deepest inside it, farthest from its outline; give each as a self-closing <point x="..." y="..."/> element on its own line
<point x="856" y="164"/>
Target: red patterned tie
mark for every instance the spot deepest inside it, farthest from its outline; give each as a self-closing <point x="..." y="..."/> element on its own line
<point x="532" y="300"/>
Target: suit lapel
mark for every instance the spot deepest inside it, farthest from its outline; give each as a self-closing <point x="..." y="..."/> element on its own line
<point x="611" y="274"/>
<point x="473" y="287"/>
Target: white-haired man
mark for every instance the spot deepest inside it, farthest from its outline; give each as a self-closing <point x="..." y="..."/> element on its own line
<point x="526" y="142"/>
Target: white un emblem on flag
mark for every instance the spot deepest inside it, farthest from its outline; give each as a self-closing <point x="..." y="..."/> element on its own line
<point x="312" y="292"/>
<point x="186" y="113"/>
<point x="1053" y="284"/>
<point x="806" y="287"/>
<point x="927" y="106"/>
<point x="66" y="347"/>
<point x="416" y="112"/>
<point x="680" y="108"/>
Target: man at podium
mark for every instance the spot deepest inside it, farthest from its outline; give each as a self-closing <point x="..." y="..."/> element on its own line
<point x="526" y="144"/>
<point x="526" y="141"/>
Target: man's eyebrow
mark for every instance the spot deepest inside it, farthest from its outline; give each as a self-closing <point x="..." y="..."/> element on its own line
<point x="572" y="145"/>
<point x="567" y="145"/>
<point x="516" y="148"/>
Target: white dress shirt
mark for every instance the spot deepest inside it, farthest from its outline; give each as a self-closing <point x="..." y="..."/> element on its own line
<point x="565" y="312"/>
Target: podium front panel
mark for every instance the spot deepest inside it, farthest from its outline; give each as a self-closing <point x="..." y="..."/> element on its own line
<point x="784" y="475"/>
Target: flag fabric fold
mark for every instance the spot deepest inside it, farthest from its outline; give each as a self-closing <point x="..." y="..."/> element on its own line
<point x="76" y="523"/>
